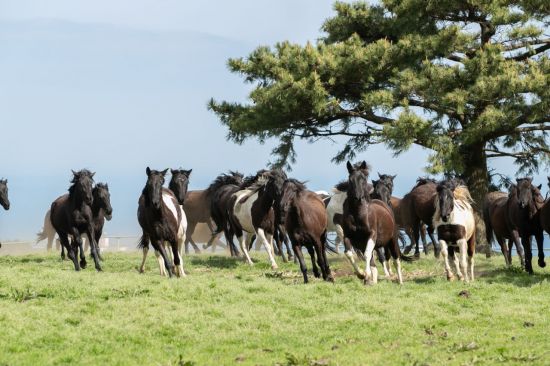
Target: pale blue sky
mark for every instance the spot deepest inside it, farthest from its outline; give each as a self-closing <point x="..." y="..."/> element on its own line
<point x="115" y="86"/>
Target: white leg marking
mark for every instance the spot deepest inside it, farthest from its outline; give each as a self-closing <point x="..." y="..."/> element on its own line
<point x="368" y="257"/>
<point x="462" y="244"/>
<point x="339" y="237"/>
<point x="445" y="254"/>
<point x="351" y="257"/>
<point x="142" y="267"/>
<point x="397" y="264"/>
<point x="263" y="239"/>
<point x="244" y="248"/>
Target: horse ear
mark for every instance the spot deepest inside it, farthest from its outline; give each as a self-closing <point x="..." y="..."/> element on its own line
<point x="74" y="173"/>
<point x="350" y="167"/>
<point x="172" y="171"/>
<point x="189" y="172"/>
<point x="393" y="177"/>
<point x="363" y="165"/>
<point x="539" y="187"/>
<point x="92" y="175"/>
<point x="379" y="175"/>
<point x="164" y="172"/>
<point x="148" y="171"/>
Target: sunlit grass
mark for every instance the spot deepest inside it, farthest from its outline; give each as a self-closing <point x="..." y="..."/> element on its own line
<point x="226" y="312"/>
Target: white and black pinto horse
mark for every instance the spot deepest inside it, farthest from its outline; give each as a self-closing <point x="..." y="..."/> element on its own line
<point x="163" y="222"/>
<point x="252" y="213"/>
<point x="455" y="226"/>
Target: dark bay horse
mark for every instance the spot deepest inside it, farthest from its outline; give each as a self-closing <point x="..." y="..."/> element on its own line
<point x="455" y="224"/>
<point x="545" y="213"/>
<point x="72" y="215"/>
<point x="368" y="224"/>
<point x="221" y="191"/>
<point x="179" y="182"/>
<point x="101" y="211"/>
<point x="495" y="217"/>
<point x="305" y="219"/>
<point x="162" y="220"/>
<point x="4" y="200"/>
<point x="418" y="207"/>
<point x="524" y="204"/>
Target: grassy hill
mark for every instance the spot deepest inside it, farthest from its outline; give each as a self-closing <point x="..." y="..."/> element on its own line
<point x="225" y="312"/>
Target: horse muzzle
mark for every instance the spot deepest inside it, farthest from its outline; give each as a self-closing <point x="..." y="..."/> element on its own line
<point x="6" y="205"/>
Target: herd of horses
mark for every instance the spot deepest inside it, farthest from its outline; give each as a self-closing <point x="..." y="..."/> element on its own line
<point x="278" y="211"/>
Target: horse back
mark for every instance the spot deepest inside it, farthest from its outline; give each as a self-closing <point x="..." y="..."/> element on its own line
<point x="197" y="206"/>
<point x="307" y="216"/>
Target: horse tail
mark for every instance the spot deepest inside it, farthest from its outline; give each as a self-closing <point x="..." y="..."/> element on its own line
<point x="407" y="258"/>
<point x="143" y="241"/>
<point x="487" y="221"/>
<point x="41" y="235"/>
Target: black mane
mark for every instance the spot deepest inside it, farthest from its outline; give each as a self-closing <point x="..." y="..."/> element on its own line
<point x="221" y="180"/>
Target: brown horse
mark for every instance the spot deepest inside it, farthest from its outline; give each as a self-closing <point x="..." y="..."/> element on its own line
<point x="399" y="220"/>
<point x="368" y="225"/>
<point x="305" y="219"/>
<point x="495" y="217"/>
<point x="545" y="214"/>
<point x="524" y="204"/>
<point x="417" y="207"/>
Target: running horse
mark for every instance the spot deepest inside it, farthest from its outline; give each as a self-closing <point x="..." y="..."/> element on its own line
<point x="456" y="230"/>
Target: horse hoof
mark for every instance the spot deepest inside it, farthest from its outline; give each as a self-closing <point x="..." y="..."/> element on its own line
<point x="542" y="263"/>
<point x="407" y="249"/>
<point x="274" y="267"/>
<point x="83" y="264"/>
<point x="417" y="255"/>
<point x="450" y="278"/>
<point x="361" y="276"/>
<point x="330" y="279"/>
<point x="317" y="275"/>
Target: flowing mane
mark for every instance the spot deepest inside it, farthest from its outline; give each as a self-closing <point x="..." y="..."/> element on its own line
<point x="462" y="196"/>
<point x="424" y="180"/>
<point x="224" y="179"/>
<point x="291" y="189"/>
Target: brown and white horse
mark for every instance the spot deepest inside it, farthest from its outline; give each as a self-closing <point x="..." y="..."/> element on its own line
<point x="455" y="225"/>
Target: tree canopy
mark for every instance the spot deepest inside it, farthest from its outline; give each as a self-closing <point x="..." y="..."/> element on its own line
<point x="467" y="80"/>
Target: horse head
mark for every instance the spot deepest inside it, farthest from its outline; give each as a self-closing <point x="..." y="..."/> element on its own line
<point x="358" y="177"/>
<point x="179" y="183"/>
<point x="383" y="190"/>
<point x="82" y="185"/>
<point x="275" y="183"/>
<point x="102" y="198"/>
<point x="153" y="187"/>
<point x="526" y="192"/>
<point x="387" y="179"/>
<point x="445" y="199"/>
<point x="4" y="200"/>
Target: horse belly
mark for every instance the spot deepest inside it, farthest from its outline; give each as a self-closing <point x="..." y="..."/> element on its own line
<point x="451" y="233"/>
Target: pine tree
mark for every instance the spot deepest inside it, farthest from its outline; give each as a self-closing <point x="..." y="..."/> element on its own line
<point x="467" y="80"/>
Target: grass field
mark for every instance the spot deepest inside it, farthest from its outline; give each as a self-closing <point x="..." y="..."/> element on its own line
<point x="225" y="312"/>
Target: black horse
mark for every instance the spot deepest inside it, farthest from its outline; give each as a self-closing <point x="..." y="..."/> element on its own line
<point x="220" y="191"/>
<point x="71" y="215"/>
<point x="4" y="201"/>
<point x="162" y="220"/>
<point x="179" y="183"/>
<point x="524" y="204"/>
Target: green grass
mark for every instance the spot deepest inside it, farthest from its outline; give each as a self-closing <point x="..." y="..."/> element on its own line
<point x="225" y="312"/>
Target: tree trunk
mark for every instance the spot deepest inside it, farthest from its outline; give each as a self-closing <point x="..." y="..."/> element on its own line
<point x="477" y="179"/>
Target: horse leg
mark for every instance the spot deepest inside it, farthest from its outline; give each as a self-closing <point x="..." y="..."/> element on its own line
<point x="165" y="259"/>
<point x="50" y="242"/>
<point x="298" y="254"/>
<point x="437" y="250"/>
<point x="368" y="257"/>
<point x="160" y="260"/>
<point x="311" y="252"/>
<point x="180" y="243"/>
<point x="71" y="252"/>
<point x="142" y="267"/>
<point x="519" y="247"/>
<point x="322" y="258"/>
<point x="539" y="237"/>
<point x="58" y="244"/>
<point x="97" y="238"/>
<point x="351" y="258"/>
<point x="462" y="247"/>
<point x="94" y="247"/>
<point x="382" y="258"/>
<point x="77" y="239"/>
<point x="393" y="250"/>
<point x="504" y="249"/>
<point x="244" y="246"/>
<point x="178" y="266"/>
<point x="445" y="253"/>
<point x="471" y="252"/>
<point x="526" y="242"/>
<point x="261" y="234"/>
<point x="339" y="237"/>
<point x="456" y="259"/>
<point x="279" y="245"/>
<point x="423" y="238"/>
<point x="189" y="232"/>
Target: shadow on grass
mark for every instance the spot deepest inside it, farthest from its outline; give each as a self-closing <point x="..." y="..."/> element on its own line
<point x="513" y="275"/>
<point x="217" y="261"/>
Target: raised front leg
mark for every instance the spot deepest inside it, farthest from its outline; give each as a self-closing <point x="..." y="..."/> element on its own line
<point x="339" y="237"/>
<point x="351" y="258"/>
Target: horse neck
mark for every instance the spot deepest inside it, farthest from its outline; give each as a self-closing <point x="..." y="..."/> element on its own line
<point x="75" y="198"/>
<point x="264" y="200"/>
